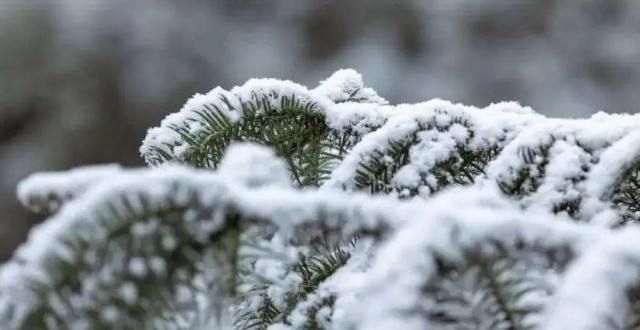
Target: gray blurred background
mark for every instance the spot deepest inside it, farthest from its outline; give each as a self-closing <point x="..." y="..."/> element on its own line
<point x="82" y="80"/>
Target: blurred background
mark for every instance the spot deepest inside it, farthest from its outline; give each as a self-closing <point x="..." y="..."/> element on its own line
<point x="82" y="80"/>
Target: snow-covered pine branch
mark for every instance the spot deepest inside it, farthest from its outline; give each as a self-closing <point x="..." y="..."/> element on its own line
<point x="45" y="192"/>
<point x="310" y="129"/>
<point x="150" y="242"/>
<point x="289" y="236"/>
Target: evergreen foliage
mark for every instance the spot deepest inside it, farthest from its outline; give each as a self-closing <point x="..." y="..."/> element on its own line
<point x="493" y="218"/>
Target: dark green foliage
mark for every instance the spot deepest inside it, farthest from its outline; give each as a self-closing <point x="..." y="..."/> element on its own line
<point x="376" y="172"/>
<point x="265" y="315"/>
<point x="528" y="177"/>
<point x="463" y="168"/>
<point x="295" y="128"/>
<point x="178" y="257"/>
<point x="324" y="260"/>
<point x="531" y="176"/>
<point x="632" y="319"/>
<point x="312" y="269"/>
<point x="491" y="288"/>
<point x="627" y="195"/>
<point x="312" y="322"/>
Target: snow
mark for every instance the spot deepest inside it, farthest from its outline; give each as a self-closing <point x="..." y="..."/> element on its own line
<point x="240" y="160"/>
<point x="583" y="160"/>
<point x="137" y="267"/>
<point x="165" y="139"/>
<point x="47" y="191"/>
<point x="391" y="296"/>
<point x="346" y="84"/>
<point x="594" y="292"/>
<point x="370" y="295"/>
<point x="439" y="126"/>
<point x="342" y="99"/>
<point x="122" y="228"/>
<point x="613" y="162"/>
<point x="79" y="222"/>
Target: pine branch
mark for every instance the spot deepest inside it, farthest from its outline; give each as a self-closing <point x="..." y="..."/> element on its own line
<point x="529" y="175"/>
<point x="151" y="243"/>
<point x="474" y="272"/>
<point x="612" y="267"/>
<point x="377" y="172"/>
<point x="285" y="116"/>
<point x="627" y="196"/>
<point x="99" y="259"/>
<point x="488" y="291"/>
<point x="312" y="269"/>
<point x="172" y="248"/>
<point x="425" y="148"/>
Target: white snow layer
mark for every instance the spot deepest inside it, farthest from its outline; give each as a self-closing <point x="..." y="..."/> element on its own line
<point x="47" y="191"/>
<point x="383" y="293"/>
<point x="549" y="162"/>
